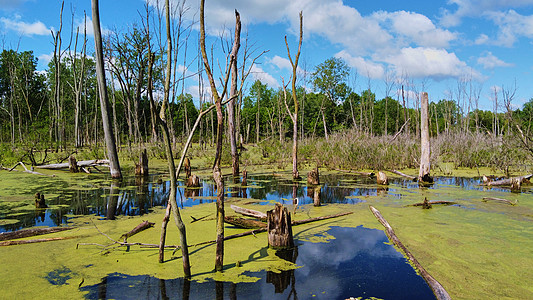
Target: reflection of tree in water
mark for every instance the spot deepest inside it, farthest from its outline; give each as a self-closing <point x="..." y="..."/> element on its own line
<point x="283" y="279"/>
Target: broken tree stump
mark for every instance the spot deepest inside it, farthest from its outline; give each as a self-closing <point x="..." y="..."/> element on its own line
<point x="39" y="201"/>
<point x="244" y="177"/>
<point x="279" y="228"/>
<point x="187" y="167"/>
<point x="313" y="177"/>
<point x="382" y="178"/>
<point x="193" y="181"/>
<point x="516" y="184"/>
<point x="142" y="167"/>
<point x="423" y="173"/>
<point x="316" y="195"/>
<point x="73" y="164"/>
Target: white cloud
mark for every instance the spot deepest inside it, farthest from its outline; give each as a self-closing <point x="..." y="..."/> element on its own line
<point x="511" y="26"/>
<point x="280" y="62"/>
<point x="476" y="8"/>
<point x="428" y="62"/>
<point x="367" y="68"/>
<point x="23" y="28"/>
<point x="259" y="74"/>
<point x="489" y="61"/>
<point x="46" y="58"/>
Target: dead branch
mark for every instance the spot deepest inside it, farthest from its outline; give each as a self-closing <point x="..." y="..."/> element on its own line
<point x="485" y="199"/>
<point x="24" y="233"/>
<point x="437" y="288"/>
<point x="249" y="212"/>
<point x="143" y="226"/>
<point x="25" y="170"/>
<point x="413" y="178"/>
<point x="433" y="202"/>
<point x="23" y="242"/>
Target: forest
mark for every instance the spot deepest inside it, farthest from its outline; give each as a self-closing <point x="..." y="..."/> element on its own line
<point x="277" y="185"/>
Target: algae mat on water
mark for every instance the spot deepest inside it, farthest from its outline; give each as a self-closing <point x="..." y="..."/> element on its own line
<point x="476" y="250"/>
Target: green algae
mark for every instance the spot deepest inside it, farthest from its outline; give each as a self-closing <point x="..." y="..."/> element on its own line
<point x="476" y="249"/>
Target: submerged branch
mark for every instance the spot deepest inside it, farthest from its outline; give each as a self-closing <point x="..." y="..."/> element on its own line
<point x="485" y="199"/>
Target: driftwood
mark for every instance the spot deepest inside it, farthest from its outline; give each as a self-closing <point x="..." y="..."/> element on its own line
<point x="244" y="223"/>
<point x="485" y="199"/>
<point x="24" y="233"/>
<point x="508" y="181"/>
<point x="413" y="178"/>
<point x="82" y="163"/>
<point x="25" y="169"/>
<point x="143" y="226"/>
<point x="249" y="212"/>
<point x="22" y="242"/>
<point x="437" y="288"/>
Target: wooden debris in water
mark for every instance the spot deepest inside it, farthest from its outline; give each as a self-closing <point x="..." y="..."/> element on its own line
<point x="428" y="204"/>
<point x="141" y="169"/>
<point x="279" y="227"/>
<point x="83" y="163"/>
<point x="508" y="181"/>
<point x="24" y="233"/>
<point x="437" y="288"/>
<point x="249" y="212"/>
<point x="23" y="242"/>
<point x="244" y="223"/>
<point x="413" y="178"/>
<point x="485" y="199"/>
<point x="143" y="226"/>
<point x="382" y="178"/>
<point x="313" y="177"/>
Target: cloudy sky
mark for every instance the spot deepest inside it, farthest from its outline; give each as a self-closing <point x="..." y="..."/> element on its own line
<point x="437" y="46"/>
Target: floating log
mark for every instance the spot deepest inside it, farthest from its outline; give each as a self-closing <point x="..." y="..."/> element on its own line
<point x="426" y="203"/>
<point x="22" y="242"/>
<point x="279" y="228"/>
<point x="313" y="177"/>
<point x="143" y="226"/>
<point x="24" y="233"/>
<point x="508" y="181"/>
<point x="485" y="199"/>
<point x="382" y="178"/>
<point x="25" y="170"/>
<point x="249" y="212"/>
<point x="244" y="223"/>
<point x="413" y="178"/>
<point x="437" y="288"/>
<point x="83" y="163"/>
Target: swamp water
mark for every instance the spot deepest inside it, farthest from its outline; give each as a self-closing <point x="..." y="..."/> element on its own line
<point x="475" y="249"/>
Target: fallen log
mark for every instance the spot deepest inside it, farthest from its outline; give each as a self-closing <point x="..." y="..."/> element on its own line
<point x="244" y="223"/>
<point x="25" y="170"/>
<point x="437" y="288"/>
<point x="508" y="181"/>
<point x="82" y="163"/>
<point x="433" y="203"/>
<point x="143" y="226"/>
<point x="22" y="242"/>
<point x="249" y="212"/>
<point x="24" y="233"/>
<point x="413" y="178"/>
<point x="485" y="199"/>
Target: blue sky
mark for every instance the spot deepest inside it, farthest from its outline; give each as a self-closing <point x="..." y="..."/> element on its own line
<point x="453" y="49"/>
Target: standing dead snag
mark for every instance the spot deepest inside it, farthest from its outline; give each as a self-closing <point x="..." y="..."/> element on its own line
<point x="142" y="167"/>
<point x="279" y="228"/>
<point x="233" y="94"/>
<point x="217" y="175"/>
<point x="423" y="174"/>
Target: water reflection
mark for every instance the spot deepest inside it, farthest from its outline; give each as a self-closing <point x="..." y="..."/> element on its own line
<point x="139" y="195"/>
<point x="359" y="262"/>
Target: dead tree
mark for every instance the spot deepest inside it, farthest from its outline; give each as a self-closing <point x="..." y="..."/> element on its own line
<point x="294" y="116"/>
<point x="233" y="95"/>
<point x="114" y="165"/>
<point x="217" y="175"/>
<point x="423" y="174"/>
<point x="142" y="167"/>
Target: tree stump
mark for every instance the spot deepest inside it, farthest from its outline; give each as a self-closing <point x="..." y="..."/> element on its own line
<point x="142" y="167"/>
<point x="39" y="201"/>
<point x="516" y="184"/>
<point x="193" y="181"/>
<point x="244" y="177"/>
<point x="72" y="164"/>
<point x="316" y="196"/>
<point x="187" y="167"/>
<point x="313" y="177"/>
<point x="382" y="178"/>
<point x="279" y="228"/>
<point x="423" y="173"/>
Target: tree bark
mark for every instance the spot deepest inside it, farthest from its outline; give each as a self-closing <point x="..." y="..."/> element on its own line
<point x="104" y="103"/>
<point x="423" y="174"/>
<point x="233" y="94"/>
<point x="279" y="228"/>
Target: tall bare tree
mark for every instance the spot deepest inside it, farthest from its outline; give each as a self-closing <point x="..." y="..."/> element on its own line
<point x="294" y="116"/>
<point x="114" y="165"/>
<point x="233" y="94"/>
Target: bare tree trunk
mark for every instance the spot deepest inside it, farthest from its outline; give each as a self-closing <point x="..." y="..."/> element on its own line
<point x="423" y="174"/>
<point x="233" y="93"/>
<point x="104" y="106"/>
<point x="294" y="116"/>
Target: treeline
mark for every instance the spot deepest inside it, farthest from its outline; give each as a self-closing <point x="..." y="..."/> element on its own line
<point x="34" y="112"/>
